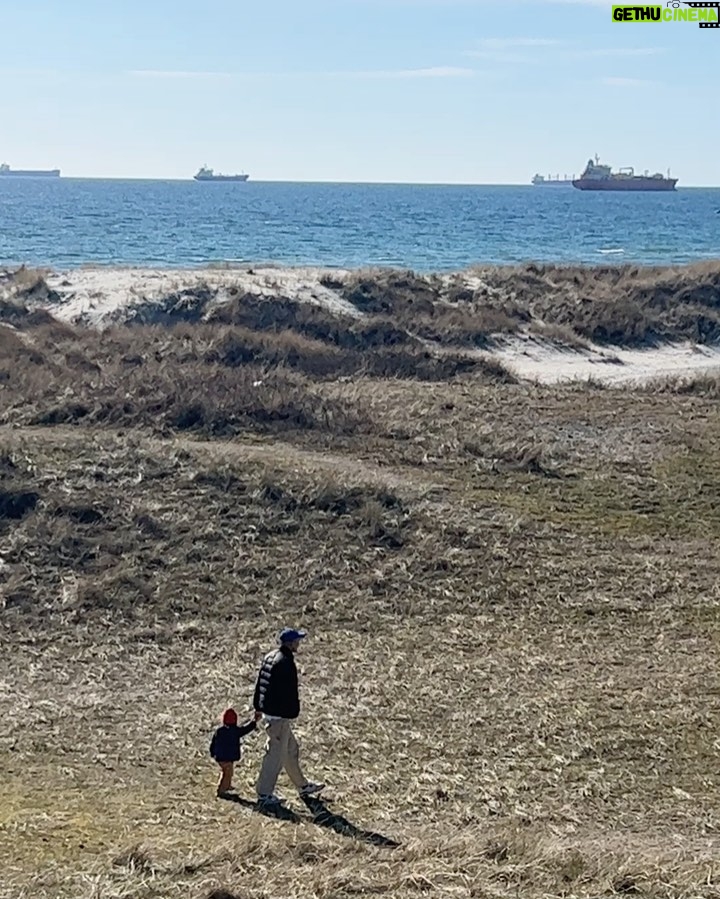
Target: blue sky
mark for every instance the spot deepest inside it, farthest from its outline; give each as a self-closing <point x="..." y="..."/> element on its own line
<point x="457" y="91"/>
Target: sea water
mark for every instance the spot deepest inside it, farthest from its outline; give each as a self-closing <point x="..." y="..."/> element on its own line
<point x="69" y="222"/>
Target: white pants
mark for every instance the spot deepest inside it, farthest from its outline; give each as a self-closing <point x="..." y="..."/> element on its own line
<point x="281" y="751"/>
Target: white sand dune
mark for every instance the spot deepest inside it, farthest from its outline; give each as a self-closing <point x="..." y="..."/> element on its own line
<point x="98" y="295"/>
<point x="537" y="361"/>
<point x="94" y="295"/>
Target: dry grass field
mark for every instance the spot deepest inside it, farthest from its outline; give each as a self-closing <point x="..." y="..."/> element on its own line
<point x="511" y="684"/>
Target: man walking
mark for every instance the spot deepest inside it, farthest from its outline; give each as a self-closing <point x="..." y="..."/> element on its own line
<point x="277" y="697"/>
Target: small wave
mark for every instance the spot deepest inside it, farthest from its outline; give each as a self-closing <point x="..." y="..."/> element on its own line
<point x="612" y="251"/>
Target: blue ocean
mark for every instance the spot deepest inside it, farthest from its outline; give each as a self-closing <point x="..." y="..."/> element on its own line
<point x="69" y="222"/>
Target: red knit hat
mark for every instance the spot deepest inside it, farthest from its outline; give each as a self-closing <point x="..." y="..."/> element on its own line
<point x="229" y="717"/>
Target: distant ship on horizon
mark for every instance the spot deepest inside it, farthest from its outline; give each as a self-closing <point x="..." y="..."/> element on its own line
<point x="7" y="172"/>
<point x="601" y="177"/>
<point x="206" y="174"/>
<point x="555" y="182"/>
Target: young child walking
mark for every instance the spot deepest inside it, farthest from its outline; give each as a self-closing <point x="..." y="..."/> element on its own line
<point x="226" y="748"/>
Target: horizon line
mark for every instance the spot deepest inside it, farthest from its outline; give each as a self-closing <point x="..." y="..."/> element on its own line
<point x="188" y="179"/>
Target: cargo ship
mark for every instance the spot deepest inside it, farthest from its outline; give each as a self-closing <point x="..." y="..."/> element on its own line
<point x="601" y="177"/>
<point x="206" y="174"/>
<point x="557" y="181"/>
<point x="7" y="172"/>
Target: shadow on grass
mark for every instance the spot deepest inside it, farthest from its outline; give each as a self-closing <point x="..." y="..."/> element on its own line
<point x="279" y="812"/>
<point x="323" y="817"/>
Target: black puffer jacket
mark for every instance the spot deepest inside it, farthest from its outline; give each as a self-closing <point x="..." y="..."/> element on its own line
<point x="276" y="691"/>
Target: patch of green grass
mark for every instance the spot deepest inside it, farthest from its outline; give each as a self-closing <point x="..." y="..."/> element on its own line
<point x="677" y="497"/>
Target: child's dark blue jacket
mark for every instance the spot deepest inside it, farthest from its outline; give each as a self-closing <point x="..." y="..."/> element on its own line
<point x="225" y="744"/>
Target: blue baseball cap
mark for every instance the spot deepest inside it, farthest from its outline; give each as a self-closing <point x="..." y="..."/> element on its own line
<point x="290" y="635"/>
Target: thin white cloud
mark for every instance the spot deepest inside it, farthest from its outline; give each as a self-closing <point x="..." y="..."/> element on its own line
<point x="30" y="73"/>
<point x="429" y="72"/>
<point x="620" y="51"/>
<point x="504" y="49"/>
<point x="515" y="59"/>
<point x="172" y="73"/>
<point x="612" y="81"/>
<point x="432" y="72"/>
<point x="506" y="43"/>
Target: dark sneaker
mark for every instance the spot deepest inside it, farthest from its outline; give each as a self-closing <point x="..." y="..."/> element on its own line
<point x="311" y="789"/>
